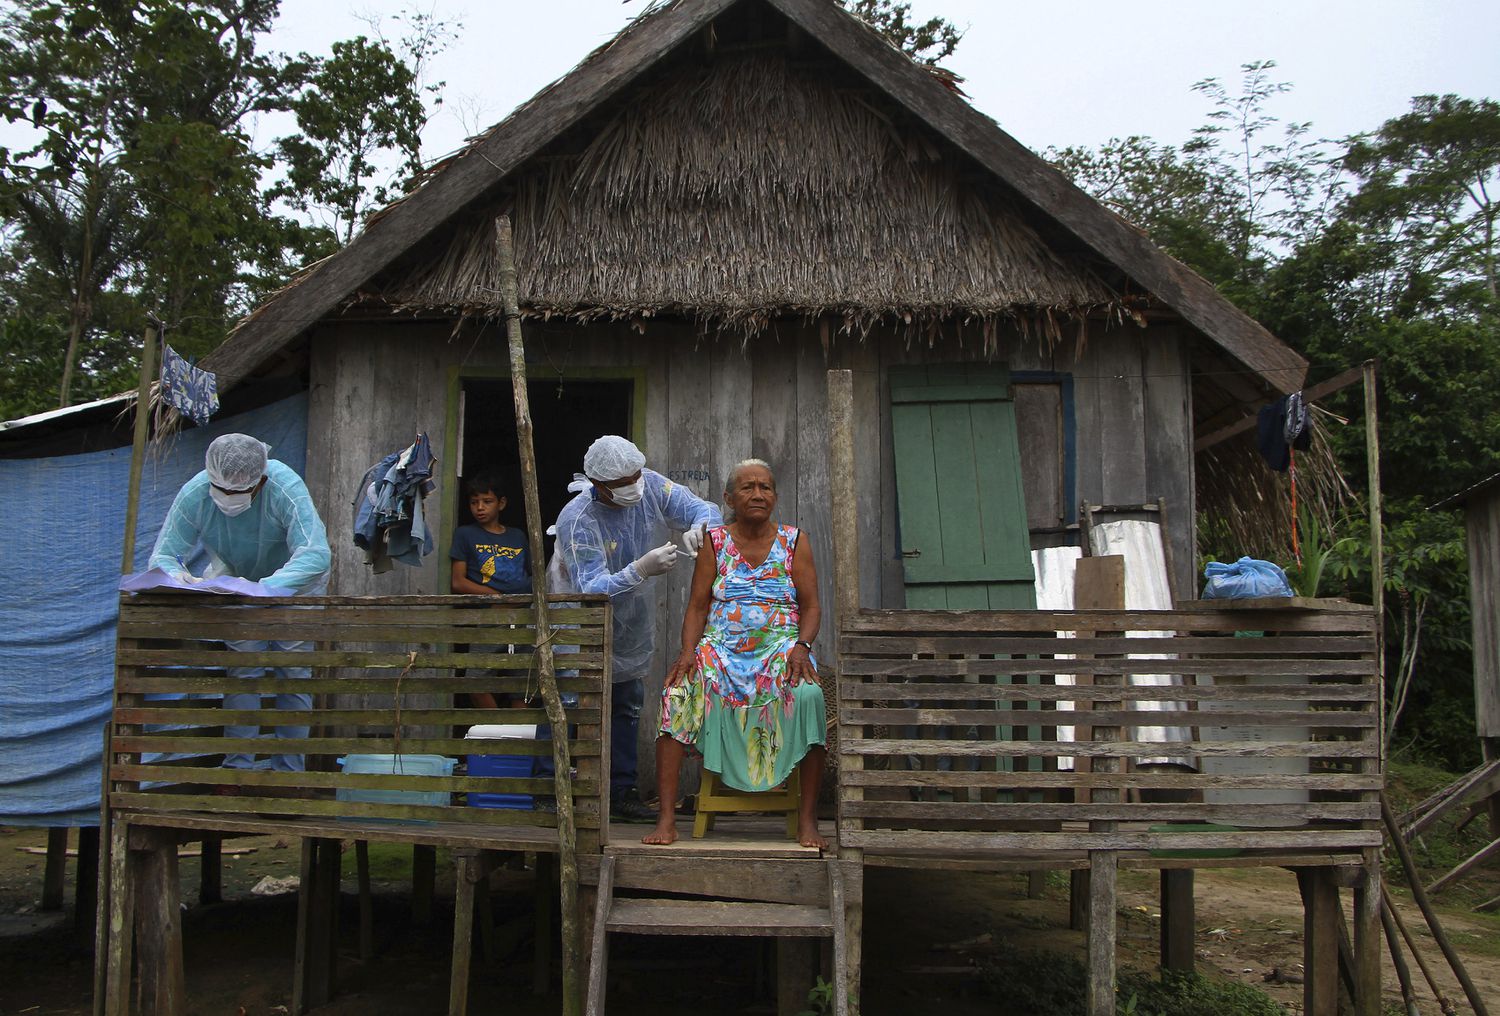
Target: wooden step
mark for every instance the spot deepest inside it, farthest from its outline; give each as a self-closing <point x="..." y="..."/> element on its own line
<point x="719" y="918"/>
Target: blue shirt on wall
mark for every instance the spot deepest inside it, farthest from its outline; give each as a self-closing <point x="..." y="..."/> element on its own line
<point x="497" y="560"/>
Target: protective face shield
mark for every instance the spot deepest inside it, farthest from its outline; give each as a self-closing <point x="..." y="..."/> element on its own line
<point x="629" y="494"/>
<point x="231" y="504"/>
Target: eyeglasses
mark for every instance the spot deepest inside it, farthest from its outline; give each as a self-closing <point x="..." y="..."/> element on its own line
<point x="225" y="490"/>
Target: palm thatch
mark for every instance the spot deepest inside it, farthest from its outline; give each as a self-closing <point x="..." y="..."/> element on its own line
<point x="1245" y="505"/>
<point x="748" y="188"/>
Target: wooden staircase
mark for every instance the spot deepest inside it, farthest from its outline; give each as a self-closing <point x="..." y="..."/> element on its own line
<point x="723" y="911"/>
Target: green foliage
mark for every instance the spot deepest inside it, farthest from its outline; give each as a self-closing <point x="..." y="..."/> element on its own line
<point x="1178" y="994"/>
<point x="1380" y="247"/>
<point x="1011" y="974"/>
<point x="820" y="1000"/>
<point x="929" y="42"/>
<point x="139" y="191"/>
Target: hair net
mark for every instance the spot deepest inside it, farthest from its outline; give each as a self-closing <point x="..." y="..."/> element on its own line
<point x="612" y="458"/>
<point x="235" y="461"/>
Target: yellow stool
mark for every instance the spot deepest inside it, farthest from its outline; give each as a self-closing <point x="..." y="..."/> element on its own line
<point x="714" y="797"/>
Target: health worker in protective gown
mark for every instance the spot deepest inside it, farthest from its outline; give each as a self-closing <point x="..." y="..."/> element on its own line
<point x="612" y="538"/>
<point x="255" y="520"/>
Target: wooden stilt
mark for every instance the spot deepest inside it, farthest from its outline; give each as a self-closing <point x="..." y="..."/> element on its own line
<point x="423" y="882"/>
<point x="158" y="923"/>
<point x="1320" y="937"/>
<point x="1177" y="914"/>
<point x="55" y="873"/>
<point x="546" y="933"/>
<point x="1078" y="899"/>
<point x="840" y="873"/>
<point x="211" y="871"/>
<point x="1103" y="872"/>
<point x="102" y="896"/>
<point x="121" y="924"/>
<point x="1367" y="932"/>
<point x="366" y="904"/>
<point x="463" y="932"/>
<point x="796" y="962"/>
<point x="317" y="931"/>
<point x="86" y="889"/>
<point x="599" y="950"/>
<point x="1036" y="884"/>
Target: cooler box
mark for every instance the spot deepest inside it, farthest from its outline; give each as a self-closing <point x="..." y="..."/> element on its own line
<point x="500" y="765"/>
<point x="397" y="765"/>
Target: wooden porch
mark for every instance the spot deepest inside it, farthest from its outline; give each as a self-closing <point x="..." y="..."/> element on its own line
<point x="967" y="741"/>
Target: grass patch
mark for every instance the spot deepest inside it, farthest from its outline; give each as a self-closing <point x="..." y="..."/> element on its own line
<point x="1191" y="995"/>
<point x="1030" y="982"/>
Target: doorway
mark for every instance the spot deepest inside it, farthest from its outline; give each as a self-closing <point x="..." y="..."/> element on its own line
<point x="567" y="415"/>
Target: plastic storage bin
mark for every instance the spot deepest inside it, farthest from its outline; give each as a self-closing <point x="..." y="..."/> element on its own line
<point x="397" y="765"/>
<point x="500" y="765"/>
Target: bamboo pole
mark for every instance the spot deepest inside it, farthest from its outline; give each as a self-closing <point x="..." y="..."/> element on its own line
<point x="1420" y="896"/>
<point x="138" y="448"/>
<point x="547" y="678"/>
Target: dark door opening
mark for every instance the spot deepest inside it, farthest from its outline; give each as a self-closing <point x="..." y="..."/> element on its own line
<point x="566" y="417"/>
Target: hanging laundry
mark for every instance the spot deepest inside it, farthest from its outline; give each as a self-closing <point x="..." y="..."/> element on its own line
<point x="190" y="390"/>
<point x="389" y="520"/>
<point x="1280" y="427"/>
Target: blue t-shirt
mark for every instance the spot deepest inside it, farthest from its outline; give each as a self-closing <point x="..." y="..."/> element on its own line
<point x="496" y="560"/>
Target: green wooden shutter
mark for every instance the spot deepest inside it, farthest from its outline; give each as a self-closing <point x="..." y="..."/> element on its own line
<point x="964" y="538"/>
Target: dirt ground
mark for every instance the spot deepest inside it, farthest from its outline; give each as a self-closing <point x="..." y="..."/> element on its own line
<point x="239" y="952"/>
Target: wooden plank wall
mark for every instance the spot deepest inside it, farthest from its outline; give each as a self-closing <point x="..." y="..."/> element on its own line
<point x="1482" y="518"/>
<point x="712" y="401"/>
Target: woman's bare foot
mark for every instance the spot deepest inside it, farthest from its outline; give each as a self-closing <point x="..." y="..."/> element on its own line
<point x="665" y="831"/>
<point x="807" y="833"/>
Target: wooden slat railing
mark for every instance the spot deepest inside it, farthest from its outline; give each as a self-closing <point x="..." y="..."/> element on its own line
<point x="384" y="671"/>
<point x="935" y="706"/>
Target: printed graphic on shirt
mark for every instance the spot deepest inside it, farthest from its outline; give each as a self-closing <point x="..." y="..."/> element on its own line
<point x="496" y="560"/>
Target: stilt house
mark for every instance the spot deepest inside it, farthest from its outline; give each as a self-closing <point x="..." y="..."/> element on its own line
<point x="713" y="208"/>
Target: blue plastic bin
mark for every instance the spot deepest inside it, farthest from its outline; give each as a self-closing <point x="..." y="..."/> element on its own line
<point x="501" y="765"/>
<point x="397" y="765"/>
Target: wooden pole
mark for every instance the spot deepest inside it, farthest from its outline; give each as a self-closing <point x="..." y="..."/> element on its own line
<point x="547" y="676"/>
<point x="1377" y="538"/>
<point x="138" y="449"/>
<point x="845" y="511"/>
<point x="1420" y="896"/>
<point x="1395" y="915"/>
<point x="1398" y="960"/>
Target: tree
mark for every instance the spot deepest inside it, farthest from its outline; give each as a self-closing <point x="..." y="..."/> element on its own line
<point x="929" y="42"/>
<point x="141" y="183"/>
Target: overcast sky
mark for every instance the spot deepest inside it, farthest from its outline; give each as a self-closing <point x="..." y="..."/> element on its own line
<point x="1060" y="73"/>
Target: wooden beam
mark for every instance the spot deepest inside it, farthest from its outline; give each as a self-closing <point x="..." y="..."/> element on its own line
<point x="468" y="176"/>
<point x="1103" y="875"/>
<point x="1321" y="390"/>
<point x="1475" y="860"/>
<point x="1053" y="194"/>
<point x="1320" y="942"/>
<point x="55" y="872"/>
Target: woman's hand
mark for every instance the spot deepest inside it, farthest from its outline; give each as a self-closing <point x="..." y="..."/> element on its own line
<point x="681" y="668"/>
<point x="799" y="660"/>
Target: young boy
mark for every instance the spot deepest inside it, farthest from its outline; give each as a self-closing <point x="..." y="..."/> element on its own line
<point x="489" y="557"/>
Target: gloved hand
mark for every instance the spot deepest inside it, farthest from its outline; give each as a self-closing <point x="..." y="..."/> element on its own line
<point x="658" y="561"/>
<point x="692" y="539"/>
<point x="187" y="577"/>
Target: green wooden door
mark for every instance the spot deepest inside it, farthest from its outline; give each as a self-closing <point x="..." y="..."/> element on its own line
<point x="964" y="538"/>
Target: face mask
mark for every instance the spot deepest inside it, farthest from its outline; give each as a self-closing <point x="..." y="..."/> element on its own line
<point x="629" y="494"/>
<point x="230" y="504"/>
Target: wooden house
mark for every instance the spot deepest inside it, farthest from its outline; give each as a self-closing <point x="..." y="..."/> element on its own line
<point x="723" y="201"/>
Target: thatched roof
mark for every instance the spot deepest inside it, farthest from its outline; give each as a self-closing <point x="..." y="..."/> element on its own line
<point x="748" y="187"/>
<point x="940" y="248"/>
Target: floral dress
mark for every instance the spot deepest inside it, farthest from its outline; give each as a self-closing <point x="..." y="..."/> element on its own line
<point x="740" y="707"/>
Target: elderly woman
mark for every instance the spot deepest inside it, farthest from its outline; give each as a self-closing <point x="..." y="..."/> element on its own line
<point x="744" y="692"/>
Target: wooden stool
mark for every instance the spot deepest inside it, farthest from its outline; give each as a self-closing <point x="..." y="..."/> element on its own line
<point x="714" y="797"/>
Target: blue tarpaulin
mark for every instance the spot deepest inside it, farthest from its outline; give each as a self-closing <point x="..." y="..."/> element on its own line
<point x="66" y="517"/>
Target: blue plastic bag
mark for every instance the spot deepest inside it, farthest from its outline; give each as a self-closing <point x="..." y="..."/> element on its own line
<point x="1246" y="579"/>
